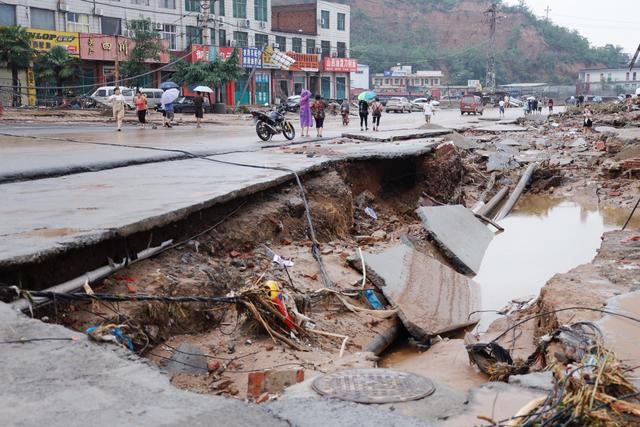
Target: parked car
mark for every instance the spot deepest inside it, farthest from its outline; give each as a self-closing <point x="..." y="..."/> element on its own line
<point x="102" y="94"/>
<point x="399" y="105"/>
<point x="153" y="96"/>
<point x="471" y="104"/>
<point x="184" y="104"/>
<point x="418" y="103"/>
<point x="292" y="104"/>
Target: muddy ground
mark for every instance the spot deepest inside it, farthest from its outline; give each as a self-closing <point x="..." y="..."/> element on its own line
<point x="232" y="257"/>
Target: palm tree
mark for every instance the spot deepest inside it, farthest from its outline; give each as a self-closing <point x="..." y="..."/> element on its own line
<point x="57" y="68"/>
<point x="16" y="53"/>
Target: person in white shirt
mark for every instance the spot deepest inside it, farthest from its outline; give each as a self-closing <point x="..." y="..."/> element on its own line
<point x="501" y="105"/>
<point x="428" y="111"/>
<point x="117" y="101"/>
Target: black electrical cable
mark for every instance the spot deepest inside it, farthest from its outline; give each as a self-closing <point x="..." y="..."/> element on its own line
<point x="28" y="340"/>
<point x="546" y="313"/>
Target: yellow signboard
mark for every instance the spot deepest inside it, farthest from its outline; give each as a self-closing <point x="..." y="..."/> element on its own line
<point x="44" y="40"/>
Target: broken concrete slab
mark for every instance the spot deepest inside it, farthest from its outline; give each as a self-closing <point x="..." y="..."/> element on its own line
<point x="537" y="380"/>
<point x="500" y="161"/>
<point x="397" y="135"/>
<point x="458" y="233"/>
<point x="187" y="359"/>
<point x="513" y="143"/>
<point x="498" y="128"/>
<point x="578" y="143"/>
<point x="462" y="142"/>
<point x="431" y="297"/>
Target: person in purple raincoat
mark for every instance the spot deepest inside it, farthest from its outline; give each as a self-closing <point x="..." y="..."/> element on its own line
<point x="305" y="112"/>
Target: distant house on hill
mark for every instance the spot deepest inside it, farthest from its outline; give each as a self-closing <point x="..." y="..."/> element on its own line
<point x="608" y="81"/>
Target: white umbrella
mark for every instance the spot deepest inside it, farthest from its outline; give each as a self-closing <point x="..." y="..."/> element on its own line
<point x="203" y="89"/>
<point x="531" y="98"/>
<point x="169" y="96"/>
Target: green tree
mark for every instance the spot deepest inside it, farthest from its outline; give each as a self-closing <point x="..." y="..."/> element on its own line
<point x="56" y="68"/>
<point x="148" y="47"/>
<point x="16" y="53"/>
<point x="214" y="73"/>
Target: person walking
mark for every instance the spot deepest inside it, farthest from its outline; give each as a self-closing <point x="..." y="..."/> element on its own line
<point x="550" y="105"/>
<point x="376" y="113"/>
<point x="318" y="109"/>
<point x="198" y="103"/>
<point x="305" y="112"/>
<point x="588" y="118"/>
<point x="506" y="101"/>
<point x="344" y="112"/>
<point x="117" y="102"/>
<point x="141" y="108"/>
<point x="427" y="109"/>
<point x="501" y="106"/>
<point x="535" y="105"/>
<point x="363" y="111"/>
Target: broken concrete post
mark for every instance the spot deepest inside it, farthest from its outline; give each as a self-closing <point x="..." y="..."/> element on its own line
<point x="515" y="196"/>
<point x="431" y="298"/>
<point x="491" y="204"/>
<point x="461" y="236"/>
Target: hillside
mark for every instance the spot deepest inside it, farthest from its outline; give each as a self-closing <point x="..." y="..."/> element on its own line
<point x="452" y="35"/>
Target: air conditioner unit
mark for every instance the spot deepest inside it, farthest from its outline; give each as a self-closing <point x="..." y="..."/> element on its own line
<point x="63" y="7"/>
<point x="99" y="12"/>
<point x="158" y="26"/>
<point x="244" y="23"/>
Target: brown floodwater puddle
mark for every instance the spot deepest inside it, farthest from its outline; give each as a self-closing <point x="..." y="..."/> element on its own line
<point x="543" y="236"/>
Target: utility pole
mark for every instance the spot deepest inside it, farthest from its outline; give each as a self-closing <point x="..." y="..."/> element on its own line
<point x="117" y="68"/>
<point x="491" y="16"/>
<point x="548" y="9"/>
<point x="205" y="22"/>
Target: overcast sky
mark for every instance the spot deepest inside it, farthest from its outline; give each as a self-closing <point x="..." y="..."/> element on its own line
<point x="614" y="21"/>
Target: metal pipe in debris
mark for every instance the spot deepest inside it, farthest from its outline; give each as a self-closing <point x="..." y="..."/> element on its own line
<point x="515" y="196"/>
<point x="631" y="214"/>
<point x="384" y="339"/>
<point x="491" y="204"/>
<point x="92" y="276"/>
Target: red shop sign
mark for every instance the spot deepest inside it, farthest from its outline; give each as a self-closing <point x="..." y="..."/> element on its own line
<point x="341" y="65"/>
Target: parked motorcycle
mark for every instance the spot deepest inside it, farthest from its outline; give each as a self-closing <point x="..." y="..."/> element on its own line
<point x="273" y="123"/>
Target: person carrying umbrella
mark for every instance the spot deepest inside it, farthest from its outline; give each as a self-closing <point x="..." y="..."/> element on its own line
<point x="166" y="100"/>
<point x="198" y="103"/>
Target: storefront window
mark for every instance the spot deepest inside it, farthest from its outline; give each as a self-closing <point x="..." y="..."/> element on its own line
<point x="110" y="26"/>
<point x="296" y="45"/>
<point x="194" y="35"/>
<point x="261" y="10"/>
<point x="77" y="22"/>
<point x="262" y="88"/>
<point x="241" y="38"/>
<point x="239" y="8"/>
<point x="169" y="33"/>
<point x="325" y="87"/>
<point x="7" y="14"/>
<point x="341" y="87"/>
<point x="311" y="46"/>
<point x="262" y="40"/>
<point x="43" y="19"/>
<point x="298" y="85"/>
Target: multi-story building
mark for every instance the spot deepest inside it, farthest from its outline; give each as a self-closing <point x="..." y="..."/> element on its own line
<point x="608" y="81"/>
<point x="402" y="81"/>
<point x="95" y="30"/>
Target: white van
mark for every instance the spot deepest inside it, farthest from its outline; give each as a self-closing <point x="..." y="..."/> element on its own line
<point x="102" y="94"/>
<point x="153" y="96"/>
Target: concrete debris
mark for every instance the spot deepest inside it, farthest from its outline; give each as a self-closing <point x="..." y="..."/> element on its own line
<point x="578" y="143"/>
<point x="431" y="297"/>
<point x="500" y="161"/>
<point x="461" y="236"/>
<point x="462" y="142"/>
<point x="272" y="382"/>
<point x="187" y="359"/>
<point x="537" y="380"/>
<point x="397" y="135"/>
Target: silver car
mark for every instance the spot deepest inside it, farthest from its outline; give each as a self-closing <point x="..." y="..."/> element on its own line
<point x="399" y="105"/>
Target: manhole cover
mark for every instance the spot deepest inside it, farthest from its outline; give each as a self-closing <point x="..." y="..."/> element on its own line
<point x="374" y="386"/>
